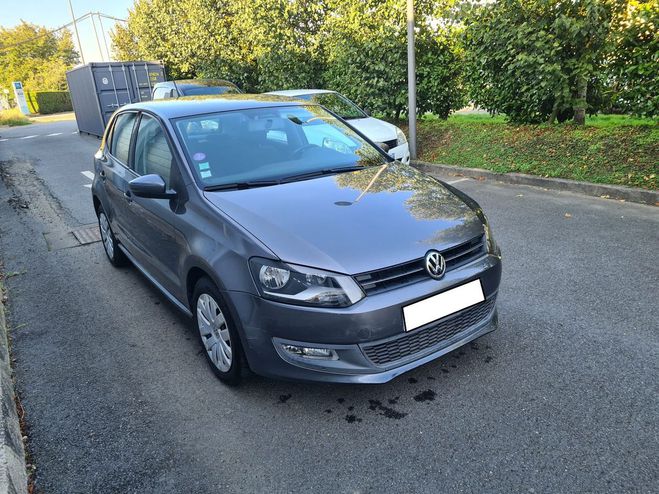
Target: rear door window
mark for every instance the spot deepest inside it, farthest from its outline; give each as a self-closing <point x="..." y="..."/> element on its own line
<point x="121" y="134"/>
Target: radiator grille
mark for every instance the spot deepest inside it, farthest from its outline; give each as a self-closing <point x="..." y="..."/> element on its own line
<point x="414" y="271"/>
<point x="418" y="341"/>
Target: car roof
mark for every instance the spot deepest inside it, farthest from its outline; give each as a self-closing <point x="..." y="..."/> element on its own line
<point x="198" y="105"/>
<point x="300" y="92"/>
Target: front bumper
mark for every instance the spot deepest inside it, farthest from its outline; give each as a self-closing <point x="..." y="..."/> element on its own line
<point x="368" y="336"/>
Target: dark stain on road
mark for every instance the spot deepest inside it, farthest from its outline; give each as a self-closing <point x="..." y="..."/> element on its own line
<point x="430" y="378"/>
<point x="445" y="371"/>
<point x="341" y="400"/>
<point x="412" y="380"/>
<point x="427" y="395"/>
<point x="393" y="401"/>
<point x="351" y="419"/>
<point x="329" y="410"/>
<point x="388" y="412"/>
<point x="284" y="398"/>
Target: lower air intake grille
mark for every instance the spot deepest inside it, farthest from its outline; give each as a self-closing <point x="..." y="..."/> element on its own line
<point x="419" y="340"/>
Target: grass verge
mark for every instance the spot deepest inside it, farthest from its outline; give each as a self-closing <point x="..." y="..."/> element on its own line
<point x="610" y="149"/>
<point x="13" y="118"/>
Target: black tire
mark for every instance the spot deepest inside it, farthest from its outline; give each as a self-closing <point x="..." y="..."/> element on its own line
<point x="110" y="245"/>
<point x="214" y="344"/>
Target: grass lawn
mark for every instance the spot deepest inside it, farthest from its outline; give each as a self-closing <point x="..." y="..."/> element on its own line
<point x="612" y="149"/>
<point x="13" y="117"/>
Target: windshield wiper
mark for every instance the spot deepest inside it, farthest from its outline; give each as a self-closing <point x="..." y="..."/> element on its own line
<point x="320" y="173"/>
<point x="240" y="185"/>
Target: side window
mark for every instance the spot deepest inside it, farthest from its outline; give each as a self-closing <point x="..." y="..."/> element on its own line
<point x="121" y="133"/>
<point x="161" y="93"/>
<point x="152" y="153"/>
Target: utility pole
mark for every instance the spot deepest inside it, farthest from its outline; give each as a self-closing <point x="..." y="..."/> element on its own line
<point x="75" y="28"/>
<point x="411" y="79"/>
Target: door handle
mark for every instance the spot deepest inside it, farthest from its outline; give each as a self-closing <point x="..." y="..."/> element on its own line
<point x="128" y="196"/>
<point x="102" y="175"/>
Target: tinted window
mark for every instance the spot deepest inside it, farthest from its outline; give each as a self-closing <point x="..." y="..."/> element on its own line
<point x="152" y="153"/>
<point x="123" y="129"/>
<point x="270" y="143"/>
<point x="202" y="90"/>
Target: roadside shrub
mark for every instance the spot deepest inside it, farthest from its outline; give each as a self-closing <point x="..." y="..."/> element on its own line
<point x="13" y="117"/>
<point x="45" y="102"/>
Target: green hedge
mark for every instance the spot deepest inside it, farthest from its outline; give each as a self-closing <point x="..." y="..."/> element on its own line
<point x="45" y="102"/>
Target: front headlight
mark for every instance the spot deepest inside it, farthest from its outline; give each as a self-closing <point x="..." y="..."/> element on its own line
<point x="400" y="136"/>
<point x="300" y="285"/>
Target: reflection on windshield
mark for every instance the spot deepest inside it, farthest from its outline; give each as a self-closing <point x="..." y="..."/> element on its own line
<point x="337" y="104"/>
<point x="270" y="144"/>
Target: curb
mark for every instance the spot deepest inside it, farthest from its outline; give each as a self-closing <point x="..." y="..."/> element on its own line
<point x="619" y="192"/>
<point x="13" y="475"/>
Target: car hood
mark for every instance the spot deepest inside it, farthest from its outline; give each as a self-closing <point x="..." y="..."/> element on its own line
<point x="376" y="130"/>
<point x="353" y="222"/>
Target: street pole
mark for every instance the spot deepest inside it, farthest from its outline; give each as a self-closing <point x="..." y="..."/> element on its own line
<point x="411" y="79"/>
<point x="75" y="28"/>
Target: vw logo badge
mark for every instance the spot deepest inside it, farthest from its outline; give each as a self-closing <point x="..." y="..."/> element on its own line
<point x="435" y="264"/>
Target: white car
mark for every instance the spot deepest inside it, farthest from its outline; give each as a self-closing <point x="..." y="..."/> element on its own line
<point x="387" y="136"/>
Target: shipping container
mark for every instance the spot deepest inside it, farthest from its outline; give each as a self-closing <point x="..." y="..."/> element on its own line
<point x="99" y="88"/>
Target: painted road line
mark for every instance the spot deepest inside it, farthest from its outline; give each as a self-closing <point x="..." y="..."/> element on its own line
<point x="456" y="181"/>
<point x="54" y="134"/>
<point x="89" y="186"/>
<point x="3" y="140"/>
<point x="74" y="132"/>
<point x="89" y="175"/>
<point x="28" y="137"/>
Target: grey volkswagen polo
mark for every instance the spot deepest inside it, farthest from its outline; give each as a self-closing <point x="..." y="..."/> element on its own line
<point x="299" y="249"/>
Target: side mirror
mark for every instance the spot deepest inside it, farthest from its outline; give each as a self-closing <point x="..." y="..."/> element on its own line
<point x="151" y="186"/>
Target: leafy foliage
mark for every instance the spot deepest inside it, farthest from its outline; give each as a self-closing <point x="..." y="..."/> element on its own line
<point x="38" y="58"/>
<point x="46" y="102"/>
<point x="535" y="59"/>
<point x="634" y="66"/>
<point x="355" y="47"/>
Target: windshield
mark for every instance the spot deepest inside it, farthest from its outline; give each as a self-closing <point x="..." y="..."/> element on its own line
<point x="336" y="103"/>
<point x="202" y="90"/>
<point x="271" y="144"/>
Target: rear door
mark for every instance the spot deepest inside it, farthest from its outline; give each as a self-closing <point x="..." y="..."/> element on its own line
<point x="116" y="173"/>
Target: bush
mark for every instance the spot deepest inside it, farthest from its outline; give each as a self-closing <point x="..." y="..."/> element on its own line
<point x="45" y="102"/>
<point x="13" y="117"/>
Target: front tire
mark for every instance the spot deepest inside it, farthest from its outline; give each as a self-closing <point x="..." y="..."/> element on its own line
<point x="115" y="255"/>
<point x="217" y="332"/>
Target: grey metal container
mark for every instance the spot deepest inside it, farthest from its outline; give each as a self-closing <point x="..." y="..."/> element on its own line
<point x="99" y="88"/>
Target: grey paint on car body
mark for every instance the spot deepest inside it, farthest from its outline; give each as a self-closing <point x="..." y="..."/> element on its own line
<point x="349" y="223"/>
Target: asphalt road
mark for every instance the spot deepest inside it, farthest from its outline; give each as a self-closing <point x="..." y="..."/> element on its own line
<point x="119" y="398"/>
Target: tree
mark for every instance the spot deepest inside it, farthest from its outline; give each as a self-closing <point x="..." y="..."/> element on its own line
<point x="534" y="60"/>
<point x="37" y="57"/>
<point x="634" y="61"/>
<point x="366" y="46"/>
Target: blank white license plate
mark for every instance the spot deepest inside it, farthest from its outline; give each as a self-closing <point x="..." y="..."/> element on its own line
<point x="442" y="304"/>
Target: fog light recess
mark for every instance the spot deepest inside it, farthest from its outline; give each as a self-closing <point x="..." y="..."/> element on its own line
<point x="311" y="353"/>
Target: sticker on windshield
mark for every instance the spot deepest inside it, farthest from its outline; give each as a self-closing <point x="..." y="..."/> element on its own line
<point x="198" y="156"/>
<point x="203" y="166"/>
<point x="205" y="174"/>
